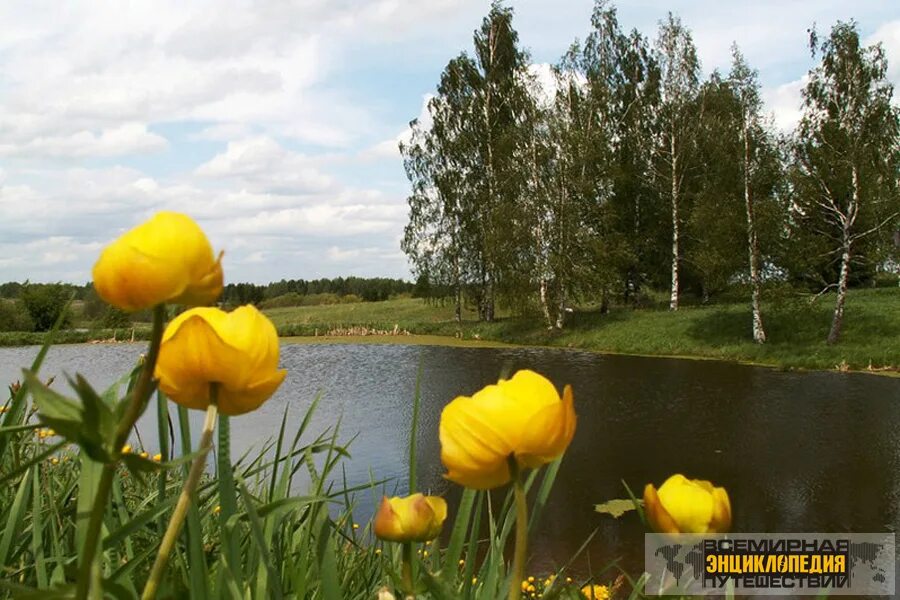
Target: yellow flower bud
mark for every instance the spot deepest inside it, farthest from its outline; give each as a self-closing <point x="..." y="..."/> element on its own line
<point x="157" y="457"/>
<point x="523" y="416"/>
<point x="236" y="350"/>
<point x="595" y="592"/>
<point x="685" y="505"/>
<point x="416" y="518"/>
<point x="165" y="259"/>
<point x="126" y="449"/>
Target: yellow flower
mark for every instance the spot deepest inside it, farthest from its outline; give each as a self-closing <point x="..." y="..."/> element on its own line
<point x="126" y="449"/>
<point x="416" y="518"/>
<point x="595" y="592"/>
<point x="144" y="455"/>
<point x="237" y="350"/>
<point x="165" y="259"/>
<point x="217" y="509"/>
<point x="157" y="457"/>
<point x="523" y="416"/>
<point x="685" y="505"/>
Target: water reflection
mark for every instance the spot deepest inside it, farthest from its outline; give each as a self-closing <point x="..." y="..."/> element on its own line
<point x="797" y="451"/>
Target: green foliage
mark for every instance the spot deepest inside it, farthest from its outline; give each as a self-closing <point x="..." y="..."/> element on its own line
<point x="14" y="317"/>
<point x="319" y="291"/>
<point x="46" y="303"/>
<point x="115" y="318"/>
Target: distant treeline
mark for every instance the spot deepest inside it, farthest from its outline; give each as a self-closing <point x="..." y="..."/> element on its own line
<point x="365" y="289"/>
<point x="36" y="306"/>
<point x="624" y="171"/>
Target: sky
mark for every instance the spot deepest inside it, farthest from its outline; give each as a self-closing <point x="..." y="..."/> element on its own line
<point x="275" y="123"/>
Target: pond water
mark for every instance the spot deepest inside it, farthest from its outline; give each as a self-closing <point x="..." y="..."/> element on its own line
<point x="796" y="451"/>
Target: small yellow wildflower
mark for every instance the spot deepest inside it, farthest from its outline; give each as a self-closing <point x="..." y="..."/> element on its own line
<point x="126" y="449"/>
<point x="217" y="509"/>
<point x="157" y="457"/>
<point x="595" y="592"/>
<point x="54" y="461"/>
<point x="144" y="455"/>
<point x="356" y="526"/>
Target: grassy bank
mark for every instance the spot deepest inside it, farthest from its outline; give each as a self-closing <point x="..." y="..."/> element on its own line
<point x="795" y="326"/>
<point x="796" y="329"/>
<point x="140" y="332"/>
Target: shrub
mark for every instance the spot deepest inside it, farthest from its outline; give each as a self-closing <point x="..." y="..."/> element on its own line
<point x="115" y="318"/>
<point x="45" y="303"/>
<point x="14" y="317"/>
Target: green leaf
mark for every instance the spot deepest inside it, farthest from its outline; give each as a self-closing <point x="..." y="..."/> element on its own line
<point x="51" y="404"/>
<point x="616" y="507"/>
<point x="638" y="504"/>
<point x="67" y="418"/>
<point x="97" y="414"/>
<point x="458" y="537"/>
<point x="88" y="481"/>
<point x="256" y="529"/>
<point x="15" y="519"/>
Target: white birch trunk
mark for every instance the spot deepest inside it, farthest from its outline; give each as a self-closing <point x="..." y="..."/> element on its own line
<point x="759" y="332"/>
<point x="673" y="301"/>
<point x="846" y="243"/>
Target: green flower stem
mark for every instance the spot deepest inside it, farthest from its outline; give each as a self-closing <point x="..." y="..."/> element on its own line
<point x="409" y="588"/>
<point x="518" y="574"/>
<point x="139" y="396"/>
<point x="184" y="500"/>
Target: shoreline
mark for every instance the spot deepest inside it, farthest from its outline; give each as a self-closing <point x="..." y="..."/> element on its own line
<point x="453" y="342"/>
<point x="415" y="339"/>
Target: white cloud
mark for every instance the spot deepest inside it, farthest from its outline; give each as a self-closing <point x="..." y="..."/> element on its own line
<point x="129" y="138"/>
<point x="390" y="148"/>
<point x="889" y="36"/>
<point x="261" y="164"/>
<point x="785" y="103"/>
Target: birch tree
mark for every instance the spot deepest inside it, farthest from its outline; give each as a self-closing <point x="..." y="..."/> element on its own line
<point x="756" y="146"/>
<point x="847" y="152"/>
<point x="680" y="70"/>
